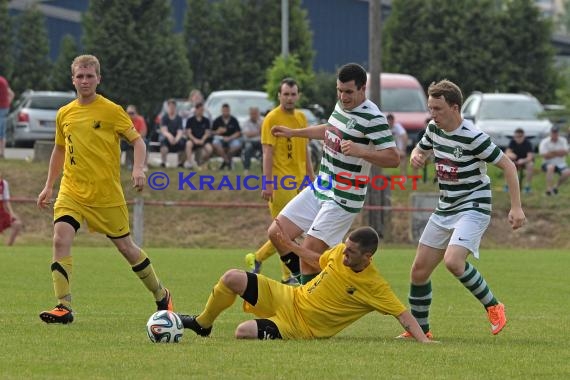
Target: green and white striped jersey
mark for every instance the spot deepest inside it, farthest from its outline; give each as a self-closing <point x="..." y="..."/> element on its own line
<point x="461" y="169"/>
<point x="365" y="125"/>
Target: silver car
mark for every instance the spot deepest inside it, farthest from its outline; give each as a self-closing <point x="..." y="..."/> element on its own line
<point x="499" y="114"/>
<point x="33" y="116"/>
<point x="239" y="101"/>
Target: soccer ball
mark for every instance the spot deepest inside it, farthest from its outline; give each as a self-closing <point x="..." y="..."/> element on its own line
<point x="164" y="327"/>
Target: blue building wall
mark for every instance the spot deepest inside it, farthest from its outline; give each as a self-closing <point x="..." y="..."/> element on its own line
<point x="340" y="28"/>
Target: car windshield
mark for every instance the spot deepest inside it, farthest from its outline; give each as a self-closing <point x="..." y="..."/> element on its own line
<point x="512" y="109"/>
<point x="403" y="100"/>
<point x="239" y="105"/>
<point x="49" y="102"/>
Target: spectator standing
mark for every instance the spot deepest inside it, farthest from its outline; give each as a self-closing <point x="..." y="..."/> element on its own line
<point x="251" y="132"/>
<point x="6" y="97"/>
<point x="172" y="134"/>
<point x="199" y="138"/>
<point x="554" y="150"/>
<point x="227" y="136"/>
<point x="401" y="139"/>
<point x="521" y="153"/>
<point x="8" y="218"/>
<point x="282" y="157"/>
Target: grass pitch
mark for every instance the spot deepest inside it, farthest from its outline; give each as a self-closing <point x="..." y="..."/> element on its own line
<point x="108" y="338"/>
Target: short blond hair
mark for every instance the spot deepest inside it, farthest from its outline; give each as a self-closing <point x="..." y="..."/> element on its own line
<point x="86" y="60"/>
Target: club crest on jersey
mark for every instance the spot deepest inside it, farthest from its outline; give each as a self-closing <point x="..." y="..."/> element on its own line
<point x="351" y="123"/>
<point x="458" y="152"/>
<point x="350" y="290"/>
<point x="96" y="124"/>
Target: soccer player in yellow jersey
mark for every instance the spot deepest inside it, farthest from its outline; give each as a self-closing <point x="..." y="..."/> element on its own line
<point x="88" y="133"/>
<point x="286" y="159"/>
<point x="348" y="287"/>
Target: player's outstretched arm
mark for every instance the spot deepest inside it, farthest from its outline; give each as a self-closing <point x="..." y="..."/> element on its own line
<point x="410" y="324"/>
<point x="311" y="257"/>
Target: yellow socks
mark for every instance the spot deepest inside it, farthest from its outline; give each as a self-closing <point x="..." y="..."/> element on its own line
<point x="220" y="299"/>
<point x="61" y="275"/>
<point x="144" y="270"/>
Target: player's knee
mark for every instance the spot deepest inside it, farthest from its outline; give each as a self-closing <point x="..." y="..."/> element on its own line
<point x="456" y="267"/>
<point x="246" y="330"/>
<point x="235" y="279"/>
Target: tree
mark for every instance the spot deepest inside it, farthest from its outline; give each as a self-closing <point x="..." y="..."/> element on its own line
<point x="200" y="30"/>
<point x="474" y="43"/>
<point x="33" y="68"/>
<point x="6" y="42"/>
<point x="530" y="63"/>
<point x="61" y="70"/>
<point x="231" y="43"/>
<point x="289" y="67"/>
<point x="143" y="61"/>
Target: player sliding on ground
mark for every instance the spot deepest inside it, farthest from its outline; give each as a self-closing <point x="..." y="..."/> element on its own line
<point x="348" y="287"/>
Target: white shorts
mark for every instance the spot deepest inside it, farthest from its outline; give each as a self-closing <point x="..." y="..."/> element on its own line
<point x="322" y="219"/>
<point x="464" y="229"/>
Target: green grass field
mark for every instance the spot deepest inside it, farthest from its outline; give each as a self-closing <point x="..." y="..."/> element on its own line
<point x="108" y="338"/>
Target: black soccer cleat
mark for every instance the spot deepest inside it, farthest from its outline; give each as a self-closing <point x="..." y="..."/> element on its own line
<point x="59" y="314"/>
<point x="189" y="322"/>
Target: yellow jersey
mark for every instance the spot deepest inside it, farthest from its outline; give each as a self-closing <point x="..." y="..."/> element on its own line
<point x="289" y="155"/>
<point x="91" y="136"/>
<point x="339" y="296"/>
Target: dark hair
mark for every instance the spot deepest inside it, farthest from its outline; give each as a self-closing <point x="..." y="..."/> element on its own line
<point x="171" y="101"/>
<point x="449" y="90"/>
<point x="225" y="105"/>
<point x="366" y="238"/>
<point x="390" y="116"/>
<point x="199" y="105"/>
<point x="519" y="131"/>
<point x="352" y="71"/>
<point x="289" y="82"/>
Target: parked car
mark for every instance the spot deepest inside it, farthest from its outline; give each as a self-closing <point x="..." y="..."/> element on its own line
<point x="499" y="114"/>
<point x="239" y="101"/>
<point x="403" y="96"/>
<point x="33" y="116"/>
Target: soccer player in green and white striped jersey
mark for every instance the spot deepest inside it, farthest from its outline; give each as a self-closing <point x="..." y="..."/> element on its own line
<point x="356" y="137"/>
<point x="455" y="228"/>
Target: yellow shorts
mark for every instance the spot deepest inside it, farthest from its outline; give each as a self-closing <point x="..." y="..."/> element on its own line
<point x="275" y="301"/>
<point x="111" y="221"/>
<point x="280" y="198"/>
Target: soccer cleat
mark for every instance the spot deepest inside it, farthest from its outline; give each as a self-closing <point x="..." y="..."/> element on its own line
<point x="497" y="317"/>
<point x="252" y="264"/>
<point x="59" y="314"/>
<point x="165" y="303"/>
<point x="408" y="335"/>
<point x="189" y="322"/>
